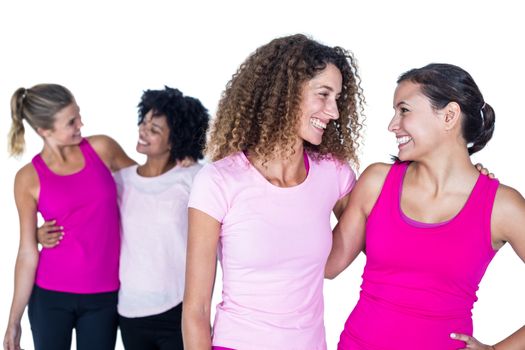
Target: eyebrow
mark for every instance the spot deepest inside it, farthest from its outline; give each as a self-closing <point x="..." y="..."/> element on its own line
<point x="328" y="88"/>
<point x="157" y="125"/>
<point x="402" y="103"/>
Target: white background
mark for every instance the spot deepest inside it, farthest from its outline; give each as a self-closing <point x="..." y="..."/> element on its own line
<point x="108" y="52"/>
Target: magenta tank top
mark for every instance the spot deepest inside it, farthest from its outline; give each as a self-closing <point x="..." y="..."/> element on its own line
<point x="420" y="280"/>
<point x="85" y="203"/>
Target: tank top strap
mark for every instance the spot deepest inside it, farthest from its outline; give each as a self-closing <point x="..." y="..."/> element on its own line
<point x="40" y="166"/>
<point x="90" y="156"/>
<point x="389" y="196"/>
<point x="479" y="205"/>
<point x="482" y="195"/>
<point x="394" y="179"/>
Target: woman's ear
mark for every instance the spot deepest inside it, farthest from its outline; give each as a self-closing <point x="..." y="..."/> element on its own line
<point x="43" y="132"/>
<point x="451" y="115"/>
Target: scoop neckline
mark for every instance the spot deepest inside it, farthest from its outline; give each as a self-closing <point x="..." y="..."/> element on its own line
<point x="268" y="184"/>
<point x="77" y="172"/>
<point x="431" y="225"/>
<point x="175" y="168"/>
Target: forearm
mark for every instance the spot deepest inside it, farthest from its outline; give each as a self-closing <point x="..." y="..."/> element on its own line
<point x="516" y="341"/>
<point x="196" y="329"/>
<point x="24" y="280"/>
<point x="340" y="256"/>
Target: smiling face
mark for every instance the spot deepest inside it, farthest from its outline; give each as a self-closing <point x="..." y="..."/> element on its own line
<point x="154" y="135"/>
<point x="319" y="104"/>
<point x="417" y="126"/>
<point x="66" y="127"/>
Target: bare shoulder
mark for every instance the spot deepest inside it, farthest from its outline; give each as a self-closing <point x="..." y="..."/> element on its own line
<point x="508" y="214"/>
<point x="375" y="174"/>
<point x="508" y="201"/>
<point x="110" y="152"/>
<point x="27" y="182"/>
<point x="101" y="142"/>
<point x="26" y="176"/>
<point x="368" y="187"/>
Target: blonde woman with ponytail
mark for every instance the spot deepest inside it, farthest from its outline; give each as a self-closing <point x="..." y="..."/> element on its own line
<point x="75" y="284"/>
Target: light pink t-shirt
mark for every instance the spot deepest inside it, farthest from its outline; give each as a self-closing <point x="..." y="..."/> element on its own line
<point x="273" y="247"/>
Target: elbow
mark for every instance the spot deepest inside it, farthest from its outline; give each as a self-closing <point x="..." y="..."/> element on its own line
<point x="330" y="272"/>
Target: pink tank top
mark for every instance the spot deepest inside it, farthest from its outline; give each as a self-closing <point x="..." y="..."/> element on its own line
<point x="420" y="280"/>
<point x="85" y="203"/>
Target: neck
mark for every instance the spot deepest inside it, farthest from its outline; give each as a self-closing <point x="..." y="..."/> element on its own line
<point x="444" y="170"/>
<point x="283" y="172"/>
<point x="56" y="153"/>
<point x="155" y="167"/>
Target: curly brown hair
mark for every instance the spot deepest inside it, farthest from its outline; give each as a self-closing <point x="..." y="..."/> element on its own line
<point x="260" y="107"/>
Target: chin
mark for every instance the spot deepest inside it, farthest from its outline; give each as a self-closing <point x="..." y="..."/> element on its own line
<point x="76" y="140"/>
<point x="315" y="142"/>
<point x="139" y="149"/>
<point x="402" y="156"/>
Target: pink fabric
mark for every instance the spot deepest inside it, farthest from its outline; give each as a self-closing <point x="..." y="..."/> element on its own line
<point x="85" y="203"/>
<point x="420" y="282"/>
<point x="274" y="243"/>
<point x="306" y="162"/>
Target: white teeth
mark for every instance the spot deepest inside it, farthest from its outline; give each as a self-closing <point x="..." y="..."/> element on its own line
<point x="142" y="142"/>
<point x="404" y="139"/>
<point x="317" y="123"/>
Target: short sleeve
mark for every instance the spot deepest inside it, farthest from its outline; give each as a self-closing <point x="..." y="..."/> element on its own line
<point x="208" y="193"/>
<point x="118" y="177"/>
<point x="346" y="178"/>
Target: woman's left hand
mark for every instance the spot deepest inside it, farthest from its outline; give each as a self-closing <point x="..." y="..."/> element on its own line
<point x="484" y="170"/>
<point x="470" y="342"/>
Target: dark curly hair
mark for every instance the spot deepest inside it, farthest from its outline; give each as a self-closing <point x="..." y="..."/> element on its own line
<point x="260" y="107"/>
<point x="186" y="117"/>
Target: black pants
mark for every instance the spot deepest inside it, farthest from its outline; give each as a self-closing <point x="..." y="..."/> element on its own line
<point x="157" y="332"/>
<point x="53" y="315"/>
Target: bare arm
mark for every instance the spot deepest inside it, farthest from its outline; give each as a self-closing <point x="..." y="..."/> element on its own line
<point x="508" y="204"/>
<point x="340" y="206"/>
<point x="349" y="234"/>
<point x="27" y="258"/>
<point x="110" y="152"/>
<point x="201" y="261"/>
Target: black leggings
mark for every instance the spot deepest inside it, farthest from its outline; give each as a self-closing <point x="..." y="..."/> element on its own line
<point x="53" y="315"/>
<point x="157" y="332"/>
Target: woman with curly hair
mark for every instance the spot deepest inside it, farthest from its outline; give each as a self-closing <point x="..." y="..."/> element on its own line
<point x="153" y="199"/>
<point x="286" y="128"/>
<point x="153" y="202"/>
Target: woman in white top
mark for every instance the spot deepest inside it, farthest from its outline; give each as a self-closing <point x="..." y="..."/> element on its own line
<point x="153" y="200"/>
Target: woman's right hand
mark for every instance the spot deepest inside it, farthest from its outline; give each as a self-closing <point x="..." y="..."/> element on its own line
<point x="49" y="234"/>
<point x="12" y="337"/>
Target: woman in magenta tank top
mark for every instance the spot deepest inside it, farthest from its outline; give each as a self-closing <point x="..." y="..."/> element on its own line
<point x="432" y="222"/>
<point x="74" y="285"/>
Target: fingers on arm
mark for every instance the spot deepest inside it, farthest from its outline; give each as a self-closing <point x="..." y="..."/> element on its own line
<point x="50" y="234"/>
